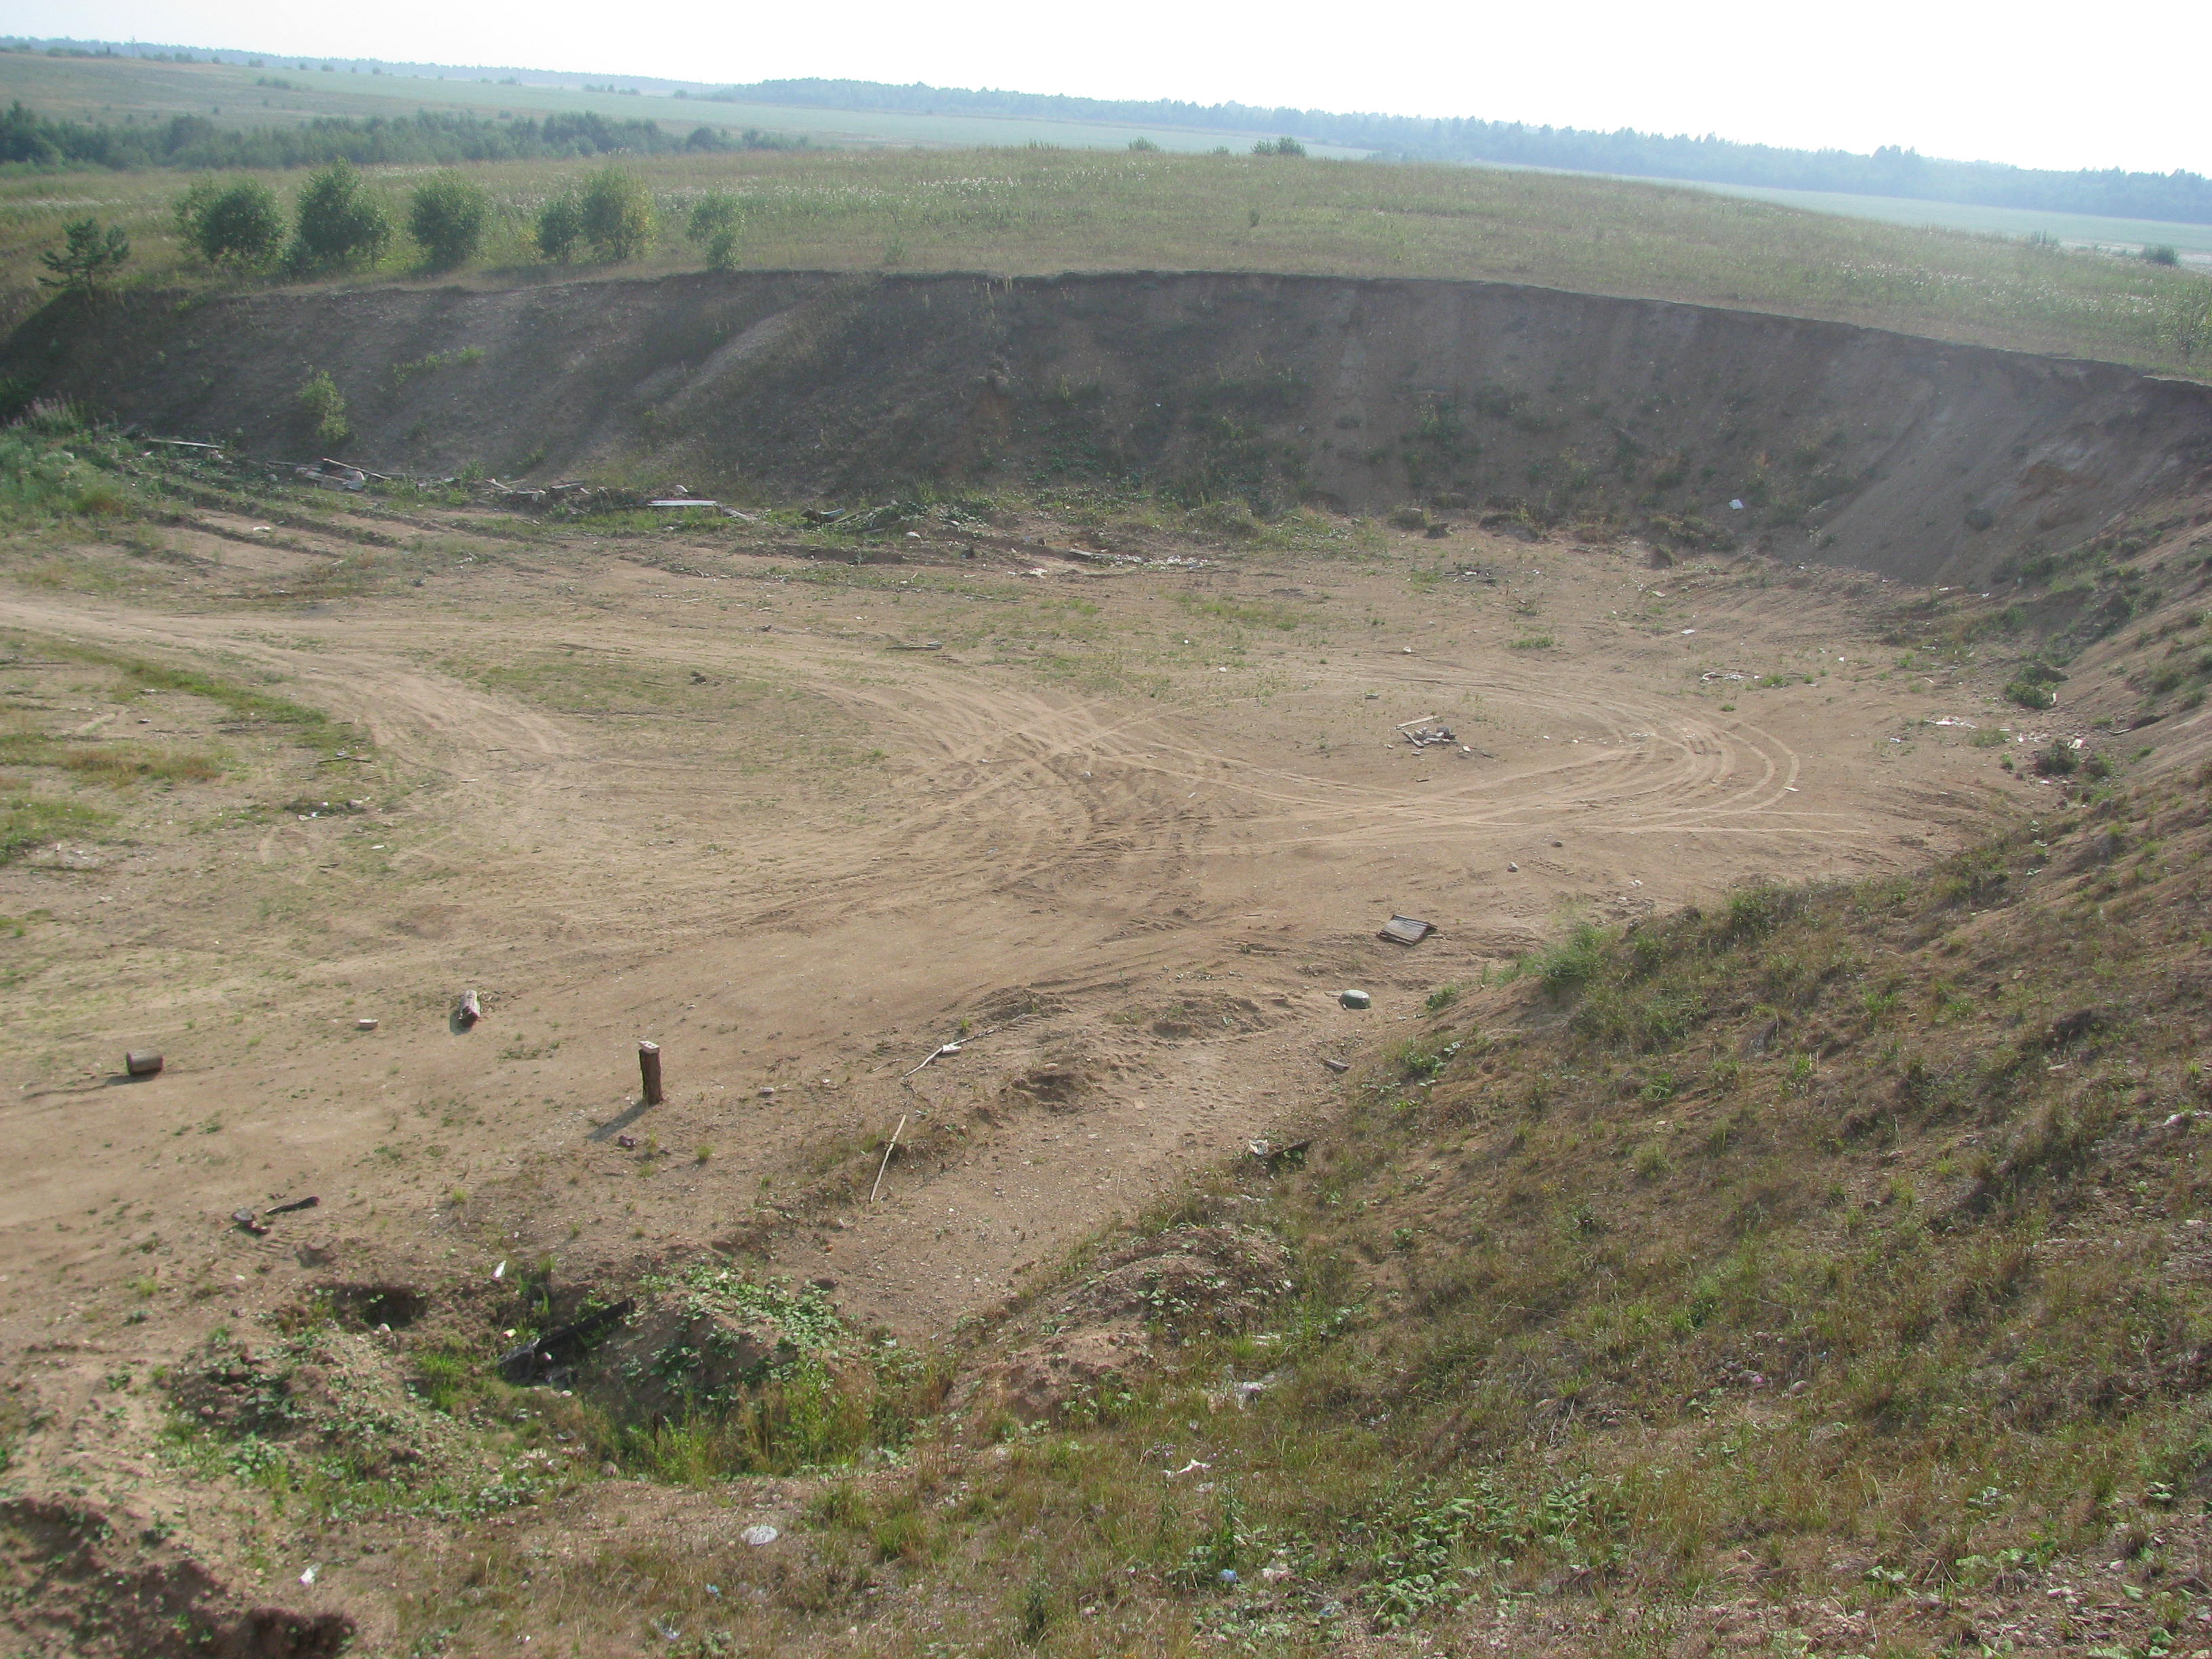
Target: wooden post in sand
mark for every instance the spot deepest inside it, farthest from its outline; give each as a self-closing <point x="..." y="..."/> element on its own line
<point x="648" y="1070"/>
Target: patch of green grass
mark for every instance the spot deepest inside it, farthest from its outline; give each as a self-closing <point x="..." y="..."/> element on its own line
<point x="301" y="723"/>
<point x="30" y="821"/>
<point x="1248" y="613"/>
<point x="399" y="373"/>
<point x="114" y="764"/>
<point x="1569" y="965"/>
<point x="53" y="469"/>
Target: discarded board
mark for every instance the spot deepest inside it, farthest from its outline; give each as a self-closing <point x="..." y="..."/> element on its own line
<point x="307" y="1203"/>
<point x="683" y="501"/>
<point x="1406" y="930"/>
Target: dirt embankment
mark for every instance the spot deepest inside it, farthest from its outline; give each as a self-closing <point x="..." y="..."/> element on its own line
<point x="1813" y="440"/>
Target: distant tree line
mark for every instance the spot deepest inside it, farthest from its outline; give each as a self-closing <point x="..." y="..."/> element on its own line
<point x="2179" y="196"/>
<point x="433" y="137"/>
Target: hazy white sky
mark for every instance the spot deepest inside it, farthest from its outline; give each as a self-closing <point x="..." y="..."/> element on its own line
<point x="2023" y="81"/>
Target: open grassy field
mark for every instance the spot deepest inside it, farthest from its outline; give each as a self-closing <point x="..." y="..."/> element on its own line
<point x="1040" y="210"/>
<point x="131" y="89"/>
<point x="95" y="89"/>
<point x="2084" y="229"/>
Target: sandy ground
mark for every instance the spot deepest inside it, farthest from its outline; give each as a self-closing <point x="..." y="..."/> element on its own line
<point x="1124" y="837"/>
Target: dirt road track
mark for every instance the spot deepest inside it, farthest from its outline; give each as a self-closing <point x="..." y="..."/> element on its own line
<point x="1150" y="901"/>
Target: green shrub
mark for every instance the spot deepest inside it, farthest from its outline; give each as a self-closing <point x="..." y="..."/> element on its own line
<point x="615" y="214"/>
<point x="337" y="225"/>
<point x="2059" y="761"/>
<point x="1286" y="146"/>
<point x="717" y="220"/>
<point x="239" y="225"/>
<point x="1572" y="963"/>
<point x="560" y="226"/>
<point x="323" y="406"/>
<point x="2162" y="253"/>
<point x="447" y="216"/>
<point x="2030" y="694"/>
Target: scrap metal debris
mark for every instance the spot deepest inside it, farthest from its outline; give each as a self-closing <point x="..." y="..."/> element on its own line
<point x="1425" y="731"/>
<point x="333" y="474"/>
<point x="1272" y="1157"/>
<point x="1406" y="930"/>
<point x="248" y="1221"/>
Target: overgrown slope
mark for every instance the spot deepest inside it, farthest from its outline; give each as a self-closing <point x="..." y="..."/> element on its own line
<point x="1832" y="1267"/>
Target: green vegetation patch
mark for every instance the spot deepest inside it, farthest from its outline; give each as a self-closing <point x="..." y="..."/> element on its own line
<point x="724" y="1373"/>
<point x="30" y="821"/>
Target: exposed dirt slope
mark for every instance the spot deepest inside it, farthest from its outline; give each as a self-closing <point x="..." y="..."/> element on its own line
<point x="1927" y="461"/>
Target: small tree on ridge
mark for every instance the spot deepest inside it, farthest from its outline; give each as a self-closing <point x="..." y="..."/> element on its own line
<point x="337" y="225"/>
<point x="88" y="255"/>
<point x="447" y="216"/>
<point x="239" y="225"/>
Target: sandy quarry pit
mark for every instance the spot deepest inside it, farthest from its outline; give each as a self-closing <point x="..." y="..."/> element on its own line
<point x="1132" y="829"/>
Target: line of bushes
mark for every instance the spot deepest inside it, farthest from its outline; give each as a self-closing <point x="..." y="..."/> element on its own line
<point x="338" y="224"/>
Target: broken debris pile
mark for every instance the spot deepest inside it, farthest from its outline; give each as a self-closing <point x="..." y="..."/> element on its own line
<point x="328" y="474"/>
<point x="546" y="1357"/>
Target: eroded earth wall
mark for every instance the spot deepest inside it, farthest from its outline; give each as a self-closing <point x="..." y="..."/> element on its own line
<point x="1921" y="460"/>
